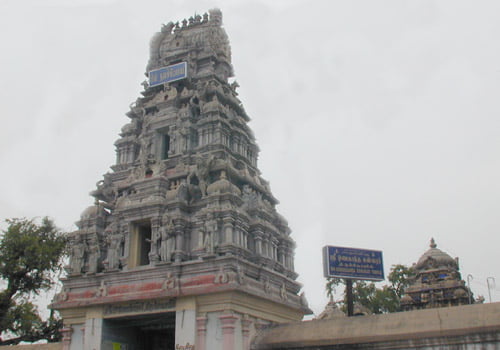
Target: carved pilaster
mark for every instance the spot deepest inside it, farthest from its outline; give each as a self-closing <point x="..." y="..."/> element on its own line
<point x="201" y="326"/>
<point x="274" y="248"/>
<point x="154" y="255"/>
<point x="281" y="254"/>
<point x="228" y="324"/>
<point x="66" y="337"/>
<point x="227" y="229"/>
<point x="179" y="253"/>
<point x="124" y="229"/>
<point x="258" y="242"/>
<point x="246" y="323"/>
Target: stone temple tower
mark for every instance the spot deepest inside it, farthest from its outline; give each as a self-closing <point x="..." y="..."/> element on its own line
<point x="184" y="247"/>
<point x="437" y="282"/>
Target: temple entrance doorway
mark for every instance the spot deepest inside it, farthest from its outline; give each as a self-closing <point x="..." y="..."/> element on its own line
<point x="145" y="332"/>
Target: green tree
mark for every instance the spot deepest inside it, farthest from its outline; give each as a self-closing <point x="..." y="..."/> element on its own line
<point x="378" y="300"/>
<point x="400" y="278"/>
<point x="30" y="254"/>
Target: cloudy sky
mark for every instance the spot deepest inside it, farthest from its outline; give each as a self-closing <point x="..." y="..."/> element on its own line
<point x="378" y="121"/>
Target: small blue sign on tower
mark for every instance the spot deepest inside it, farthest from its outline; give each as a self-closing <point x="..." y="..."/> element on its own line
<point x="353" y="263"/>
<point x="168" y="74"/>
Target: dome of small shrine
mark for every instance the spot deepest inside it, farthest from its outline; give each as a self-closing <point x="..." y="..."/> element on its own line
<point x="435" y="257"/>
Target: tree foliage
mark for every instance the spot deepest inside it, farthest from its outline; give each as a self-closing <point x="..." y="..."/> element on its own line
<point x="400" y="277"/>
<point x="30" y="254"/>
<point x="378" y="300"/>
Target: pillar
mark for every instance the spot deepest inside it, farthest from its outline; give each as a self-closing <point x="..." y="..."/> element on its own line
<point x="201" y="338"/>
<point x="125" y="231"/>
<point x="228" y="322"/>
<point x="227" y="229"/>
<point x="246" y="323"/>
<point x="185" y="322"/>
<point x="258" y="241"/>
<point x="154" y="253"/>
<point x="66" y="337"/>
<point x="179" y="240"/>
<point x="93" y="330"/>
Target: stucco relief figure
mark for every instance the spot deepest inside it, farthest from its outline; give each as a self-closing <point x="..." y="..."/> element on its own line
<point x="185" y="93"/>
<point x="283" y="293"/>
<point x="94" y="253"/>
<point x="170" y="93"/>
<point x="184" y="112"/>
<point x="77" y="256"/>
<point x="184" y="139"/>
<point x="303" y="300"/>
<point x="240" y="275"/>
<point x="250" y="198"/>
<point x="145" y="150"/>
<point x="169" y="282"/>
<point x="163" y="244"/>
<point x="221" y="277"/>
<point x="210" y="233"/>
<point x="173" y="143"/>
<point x="201" y="171"/>
<point x="102" y="290"/>
<point x="113" y="258"/>
<point x="267" y="285"/>
<point x="183" y="191"/>
<point x="155" y="245"/>
<point x="167" y="245"/>
<point x="105" y="188"/>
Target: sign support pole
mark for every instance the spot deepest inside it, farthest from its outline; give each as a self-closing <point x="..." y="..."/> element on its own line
<point x="350" y="299"/>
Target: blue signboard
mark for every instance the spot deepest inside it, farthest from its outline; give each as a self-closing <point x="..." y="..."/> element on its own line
<point x="353" y="263"/>
<point x="168" y="74"/>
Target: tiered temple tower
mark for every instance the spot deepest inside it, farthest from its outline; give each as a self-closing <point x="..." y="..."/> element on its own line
<point x="437" y="282"/>
<point x="184" y="246"/>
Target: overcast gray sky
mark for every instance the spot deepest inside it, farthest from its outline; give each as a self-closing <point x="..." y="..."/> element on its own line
<point x="378" y="121"/>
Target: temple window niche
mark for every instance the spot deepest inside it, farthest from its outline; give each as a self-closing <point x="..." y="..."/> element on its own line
<point x="140" y="243"/>
<point x="164" y="143"/>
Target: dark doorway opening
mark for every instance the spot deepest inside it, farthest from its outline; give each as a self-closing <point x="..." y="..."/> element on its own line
<point x="165" y="146"/>
<point x="151" y="332"/>
<point x="161" y="339"/>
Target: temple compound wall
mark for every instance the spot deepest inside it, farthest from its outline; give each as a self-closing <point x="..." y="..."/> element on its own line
<point x="475" y="326"/>
<point x="183" y="247"/>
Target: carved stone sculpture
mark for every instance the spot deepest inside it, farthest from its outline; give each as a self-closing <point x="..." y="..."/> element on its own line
<point x="170" y="282"/>
<point x="78" y="251"/>
<point x="113" y="258"/>
<point x="94" y="254"/>
<point x="210" y="233"/>
<point x="167" y="245"/>
<point x="221" y="277"/>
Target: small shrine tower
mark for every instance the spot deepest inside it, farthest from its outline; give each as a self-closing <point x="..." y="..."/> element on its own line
<point x="183" y="248"/>
<point x="437" y="282"/>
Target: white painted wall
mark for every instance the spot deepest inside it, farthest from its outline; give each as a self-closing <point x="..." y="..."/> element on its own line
<point x="93" y="334"/>
<point x="185" y="327"/>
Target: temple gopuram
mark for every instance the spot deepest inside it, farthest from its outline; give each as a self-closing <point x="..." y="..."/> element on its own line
<point x="437" y="282"/>
<point x="183" y="248"/>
